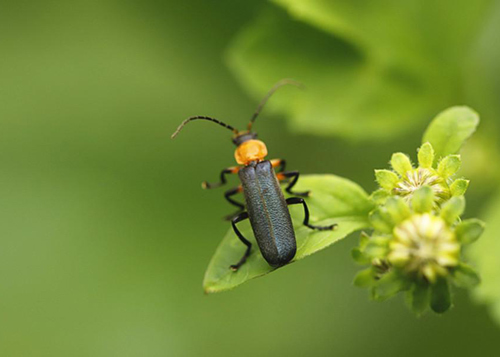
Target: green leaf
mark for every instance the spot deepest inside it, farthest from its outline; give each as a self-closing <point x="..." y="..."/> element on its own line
<point x="388" y="286"/>
<point x="459" y="187"/>
<point x="372" y="23"/>
<point x="401" y="163"/>
<point x="386" y="179"/>
<point x="365" y="278"/>
<point x="453" y="209"/>
<point x="347" y="94"/>
<point x="377" y="247"/>
<point x="426" y="155"/>
<point x="470" y="230"/>
<point x="359" y="257"/>
<point x="379" y="221"/>
<point x="450" y="129"/>
<point x="379" y="196"/>
<point x="449" y="165"/>
<point x="419" y="297"/>
<point x="358" y="253"/>
<point x="364" y="238"/>
<point x="398" y="209"/>
<point x="440" y="296"/>
<point x="465" y="276"/>
<point x="373" y="69"/>
<point x="333" y="200"/>
<point x="423" y="199"/>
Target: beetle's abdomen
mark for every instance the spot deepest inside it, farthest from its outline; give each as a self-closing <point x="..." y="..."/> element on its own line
<point x="268" y="213"/>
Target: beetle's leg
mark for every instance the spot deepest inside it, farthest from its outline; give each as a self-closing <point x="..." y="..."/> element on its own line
<point x="240" y="205"/>
<point x="239" y="218"/>
<point x="294" y="175"/>
<point x="300" y="200"/>
<point x="229" y="170"/>
<point x="279" y="163"/>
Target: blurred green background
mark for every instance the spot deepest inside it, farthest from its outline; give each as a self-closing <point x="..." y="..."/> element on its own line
<point x="105" y="233"/>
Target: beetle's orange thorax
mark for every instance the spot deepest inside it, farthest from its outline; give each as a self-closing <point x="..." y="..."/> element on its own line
<point x="250" y="150"/>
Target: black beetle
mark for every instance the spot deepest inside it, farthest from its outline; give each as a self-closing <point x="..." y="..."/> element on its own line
<point x="266" y="207"/>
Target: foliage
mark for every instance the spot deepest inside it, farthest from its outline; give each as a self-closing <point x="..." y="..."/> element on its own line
<point x="418" y="235"/>
<point x="415" y="248"/>
<point x="450" y="130"/>
<point x="369" y="66"/>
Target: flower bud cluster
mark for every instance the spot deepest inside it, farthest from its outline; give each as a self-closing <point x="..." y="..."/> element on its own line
<point x="418" y="235"/>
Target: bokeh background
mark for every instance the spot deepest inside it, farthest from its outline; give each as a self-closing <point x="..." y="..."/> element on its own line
<point x="105" y="233"/>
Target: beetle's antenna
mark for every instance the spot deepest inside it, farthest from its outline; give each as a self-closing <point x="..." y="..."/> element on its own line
<point x="278" y="85"/>
<point x="204" y="118"/>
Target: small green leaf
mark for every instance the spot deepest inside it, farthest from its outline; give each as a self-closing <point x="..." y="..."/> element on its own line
<point x="359" y="257"/>
<point x="358" y="253"/>
<point x="379" y="221"/>
<point x="401" y="163"/>
<point x="470" y="230"/>
<point x="398" y="209"/>
<point x="333" y="200"/>
<point x="386" y="179"/>
<point x="365" y="278"/>
<point x="389" y="285"/>
<point x="364" y="238"/>
<point x="379" y="196"/>
<point x="450" y="129"/>
<point x="376" y="248"/>
<point x="440" y="296"/>
<point x="452" y="209"/>
<point x="465" y="277"/>
<point x="419" y="297"/>
<point x="459" y="187"/>
<point x="426" y="155"/>
<point x="422" y="200"/>
<point x="449" y="165"/>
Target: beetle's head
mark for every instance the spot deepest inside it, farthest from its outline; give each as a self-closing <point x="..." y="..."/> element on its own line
<point x="248" y="148"/>
<point x="243" y="136"/>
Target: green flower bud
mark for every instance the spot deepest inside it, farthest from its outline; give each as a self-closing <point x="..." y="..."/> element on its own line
<point x="405" y="180"/>
<point x="425" y="245"/>
<point x="420" y="177"/>
<point x="416" y="248"/>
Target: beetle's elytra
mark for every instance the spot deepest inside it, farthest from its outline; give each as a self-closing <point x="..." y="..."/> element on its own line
<point x="265" y="204"/>
<point x="268" y="213"/>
